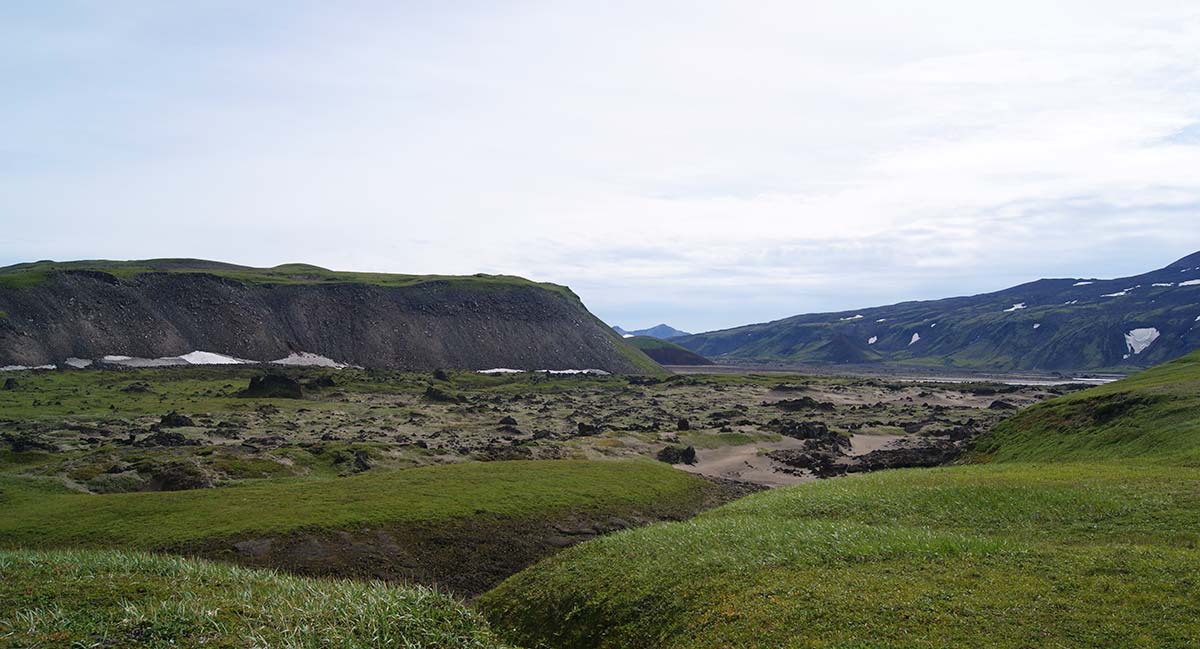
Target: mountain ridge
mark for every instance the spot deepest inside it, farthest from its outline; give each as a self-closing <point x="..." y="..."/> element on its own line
<point x="1063" y="324"/>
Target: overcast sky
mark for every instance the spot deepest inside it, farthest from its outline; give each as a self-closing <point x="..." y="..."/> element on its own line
<point x="704" y="164"/>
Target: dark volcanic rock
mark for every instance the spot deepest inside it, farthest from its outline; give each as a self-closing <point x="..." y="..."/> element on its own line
<point x="10" y="384"/>
<point x="683" y="424"/>
<point x="1001" y="405"/>
<point x="802" y="403"/>
<point x="677" y="455"/>
<point x="508" y="421"/>
<point x="175" y="420"/>
<point x="433" y="393"/>
<point x="273" y="386"/>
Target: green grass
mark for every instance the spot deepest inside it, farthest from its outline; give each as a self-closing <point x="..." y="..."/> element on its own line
<point x="112" y="599"/>
<point x="35" y="273"/>
<point x="34" y="517"/>
<point x="1153" y="416"/>
<point x="1083" y="530"/>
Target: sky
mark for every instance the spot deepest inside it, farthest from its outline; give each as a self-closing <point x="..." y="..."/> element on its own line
<point x="704" y="164"/>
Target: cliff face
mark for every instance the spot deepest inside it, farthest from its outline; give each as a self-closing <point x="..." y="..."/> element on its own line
<point x="468" y="323"/>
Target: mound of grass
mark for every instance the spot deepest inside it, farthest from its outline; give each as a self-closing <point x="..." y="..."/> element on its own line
<point x="1029" y="550"/>
<point x="1153" y="416"/>
<point x="114" y="599"/>
<point x="533" y="489"/>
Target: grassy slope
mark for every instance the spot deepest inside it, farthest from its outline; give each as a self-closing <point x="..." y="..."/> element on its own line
<point x="1103" y="550"/>
<point x="38" y="515"/>
<point x="110" y="599"/>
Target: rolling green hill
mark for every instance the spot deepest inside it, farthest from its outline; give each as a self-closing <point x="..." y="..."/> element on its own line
<point x="129" y="599"/>
<point x="1082" y="528"/>
<point x="666" y="353"/>
<point x="463" y="525"/>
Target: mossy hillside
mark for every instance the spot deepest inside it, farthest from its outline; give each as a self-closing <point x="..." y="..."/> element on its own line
<point x="106" y="598"/>
<point x="1149" y="417"/>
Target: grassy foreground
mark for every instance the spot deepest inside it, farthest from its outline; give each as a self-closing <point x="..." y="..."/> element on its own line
<point x="1084" y="530"/>
<point x="113" y="599"/>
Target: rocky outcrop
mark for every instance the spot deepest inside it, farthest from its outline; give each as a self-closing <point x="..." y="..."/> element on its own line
<point x="468" y="323"/>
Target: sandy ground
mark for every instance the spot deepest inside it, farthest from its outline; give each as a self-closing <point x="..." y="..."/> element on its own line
<point x="749" y="462"/>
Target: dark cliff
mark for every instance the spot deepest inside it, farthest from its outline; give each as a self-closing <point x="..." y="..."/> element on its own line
<point x="51" y="311"/>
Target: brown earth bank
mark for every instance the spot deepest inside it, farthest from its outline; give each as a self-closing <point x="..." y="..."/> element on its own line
<point x="464" y="557"/>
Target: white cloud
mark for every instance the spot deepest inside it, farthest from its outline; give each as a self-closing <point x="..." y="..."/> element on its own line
<point x="696" y="163"/>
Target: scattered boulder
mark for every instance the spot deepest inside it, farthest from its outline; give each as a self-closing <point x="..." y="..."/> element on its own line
<point x="175" y="420"/>
<point x="587" y="429"/>
<point x="1001" y="405"/>
<point x="508" y="421"/>
<point x="441" y="375"/>
<point x="677" y="455"/>
<point x="362" y="460"/>
<point x="10" y="384"/>
<point x="801" y="403"/>
<point x="683" y="424"/>
<point x="166" y="438"/>
<point x="273" y="386"/>
<point x="433" y="393"/>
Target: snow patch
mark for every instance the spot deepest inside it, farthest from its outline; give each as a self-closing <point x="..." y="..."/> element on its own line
<point x="308" y="360"/>
<point x="1037" y="325"/>
<point x="1082" y="283"/>
<point x="501" y="370"/>
<point x="881" y="320"/>
<point x="77" y="363"/>
<point x="874" y="339"/>
<point x="1015" y="307"/>
<point x="1190" y="282"/>
<point x="587" y="371"/>
<point x="211" y="358"/>
<point x="1164" y="284"/>
<point x="1137" y="340"/>
<point x="1070" y="302"/>
<point x="1118" y="293"/>
<point x="916" y="338"/>
<point x="18" y="368"/>
<point x="853" y="317"/>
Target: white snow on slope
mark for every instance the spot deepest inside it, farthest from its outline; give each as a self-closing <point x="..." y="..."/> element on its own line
<point x="881" y="320"/>
<point x="18" y="368"/>
<point x="500" y="370"/>
<point x="1037" y="325"/>
<point x="1015" y="307"/>
<point x="1071" y="302"/>
<point x="77" y="363"/>
<point x="628" y="336"/>
<point x="915" y="338"/>
<point x="1137" y="340"/>
<point x="211" y="358"/>
<point x="853" y="317"/>
<point x="1164" y="284"/>
<point x="309" y="360"/>
<point x="1190" y="282"/>
<point x="1082" y="283"/>
<point x="1118" y="293"/>
<point x="874" y="339"/>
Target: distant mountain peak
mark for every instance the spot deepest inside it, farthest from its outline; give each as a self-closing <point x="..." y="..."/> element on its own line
<point x="660" y="331"/>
